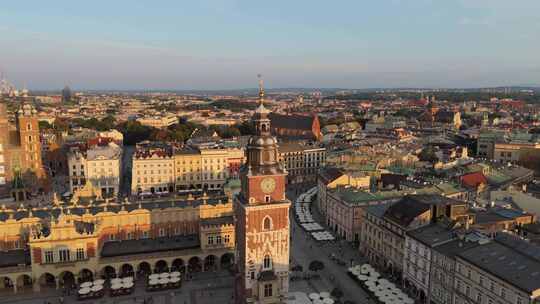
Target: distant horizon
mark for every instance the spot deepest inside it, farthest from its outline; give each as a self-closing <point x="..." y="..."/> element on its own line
<point x="254" y="89"/>
<point x="224" y="44"/>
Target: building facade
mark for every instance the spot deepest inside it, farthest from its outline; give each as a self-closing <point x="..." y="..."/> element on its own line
<point x="69" y="243"/>
<point x="20" y="154"/>
<point x="183" y="169"/>
<point x="98" y="170"/>
<point x="301" y="161"/>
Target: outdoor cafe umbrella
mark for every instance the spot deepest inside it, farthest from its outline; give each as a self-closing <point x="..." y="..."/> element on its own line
<point x="328" y="301"/>
<point x="324" y="294"/>
<point x="317" y="301"/>
<point x="164" y="275"/>
<point x="96" y="288"/>
<point x="99" y="282"/>
<point x="362" y="277"/>
<point x="370" y="283"/>
<point x="175" y="274"/>
<point x="128" y="284"/>
<point x="84" y="291"/>
<point x="163" y="280"/>
<point x="116" y="286"/>
<point x="86" y="284"/>
<point x="127" y="280"/>
<point x="153" y="276"/>
<point x="174" y="279"/>
<point x="314" y="296"/>
<point x="153" y="282"/>
<point x="116" y="281"/>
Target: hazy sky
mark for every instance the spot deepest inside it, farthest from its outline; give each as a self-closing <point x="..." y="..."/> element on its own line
<point x="217" y="44"/>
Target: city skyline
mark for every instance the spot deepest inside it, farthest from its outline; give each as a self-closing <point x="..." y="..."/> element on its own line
<point x="196" y="46"/>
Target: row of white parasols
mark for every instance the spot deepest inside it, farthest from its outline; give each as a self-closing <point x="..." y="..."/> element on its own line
<point x="97" y="285"/>
<point x="164" y="278"/>
<point x="124" y="283"/>
<point x="321" y="298"/>
<point x="384" y="290"/>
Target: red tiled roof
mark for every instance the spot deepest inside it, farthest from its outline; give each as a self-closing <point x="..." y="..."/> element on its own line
<point x="473" y="179"/>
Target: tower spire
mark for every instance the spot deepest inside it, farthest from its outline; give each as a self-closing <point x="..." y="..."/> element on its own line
<point x="261" y="89"/>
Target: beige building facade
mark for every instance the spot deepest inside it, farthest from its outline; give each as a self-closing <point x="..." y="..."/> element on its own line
<point x="66" y="244"/>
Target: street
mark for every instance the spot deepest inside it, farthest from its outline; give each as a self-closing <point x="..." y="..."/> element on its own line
<point x="305" y="249"/>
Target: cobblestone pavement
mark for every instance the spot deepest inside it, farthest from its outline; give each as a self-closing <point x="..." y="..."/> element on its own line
<point x="305" y="249"/>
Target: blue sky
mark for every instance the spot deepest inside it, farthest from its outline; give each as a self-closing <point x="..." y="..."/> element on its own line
<point x="219" y="44"/>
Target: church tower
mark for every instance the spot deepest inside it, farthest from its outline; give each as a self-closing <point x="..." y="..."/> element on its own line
<point x="262" y="219"/>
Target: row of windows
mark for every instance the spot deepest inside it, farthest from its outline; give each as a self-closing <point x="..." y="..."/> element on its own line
<point x="218" y="239"/>
<point x="466" y="289"/>
<point x="64" y="255"/>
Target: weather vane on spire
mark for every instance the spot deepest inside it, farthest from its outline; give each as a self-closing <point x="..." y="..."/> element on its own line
<point x="261" y="89"/>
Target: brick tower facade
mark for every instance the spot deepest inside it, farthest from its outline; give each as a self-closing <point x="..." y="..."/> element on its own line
<point x="262" y="219"/>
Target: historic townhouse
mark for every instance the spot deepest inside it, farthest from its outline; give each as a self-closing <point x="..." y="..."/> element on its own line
<point x="505" y="270"/>
<point x="97" y="170"/>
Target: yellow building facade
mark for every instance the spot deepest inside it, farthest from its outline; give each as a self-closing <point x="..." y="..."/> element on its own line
<point x="69" y="243"/>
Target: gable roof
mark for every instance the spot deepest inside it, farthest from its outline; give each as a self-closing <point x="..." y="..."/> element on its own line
<point x="330" y="174"/>
<point x="406" y="210"/>
<point x="291" y="121"/>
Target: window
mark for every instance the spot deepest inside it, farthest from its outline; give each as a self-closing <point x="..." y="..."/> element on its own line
<point x="161" y="232"/>
<point x="49" y="256"/>
<point x="267" y="223"/>
<point x="129" y="235"/>
<point x="468" y="291"/>
<point x="267" y="262"/>
<point x="210" y="240"/>
<point x="479" y="298"/>
<point x="112" y="237"/>
<point x="145" y="234"/>
<point x="80" y="253"/>
<point x="252" y="275"/>
<point x="218" y="239"/>
<point x="267" y="290"/>
<point x="503" y="293"/>
<point x="519" y="300"/>
<point x="63" y="255"/>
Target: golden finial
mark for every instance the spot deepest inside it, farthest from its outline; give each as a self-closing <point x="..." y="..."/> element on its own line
<point x="261" y="89"/>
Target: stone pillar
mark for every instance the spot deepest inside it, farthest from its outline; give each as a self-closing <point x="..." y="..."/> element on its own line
<point x="57" y="282"/>
<point x="35" y="285"/>
<point x="15" y="286"/>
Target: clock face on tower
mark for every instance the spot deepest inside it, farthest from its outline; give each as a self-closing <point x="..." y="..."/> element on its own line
<point x="268" y="185"/>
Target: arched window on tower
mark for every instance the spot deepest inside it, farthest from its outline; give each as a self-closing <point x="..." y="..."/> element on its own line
<point x="267" y="262"/>
<point x="264" y="128"/>
<point x="267" y="223"/>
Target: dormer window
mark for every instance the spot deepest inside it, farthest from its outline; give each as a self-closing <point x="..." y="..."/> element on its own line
<point x="267" y="198"/>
